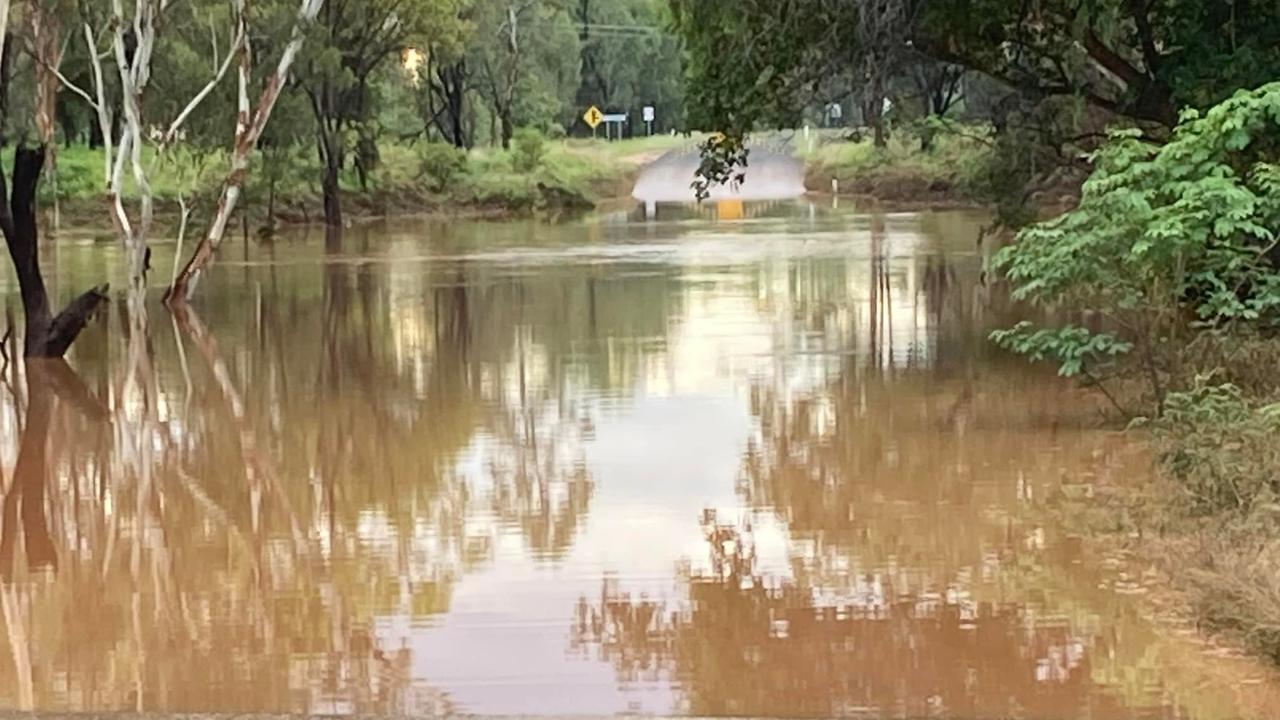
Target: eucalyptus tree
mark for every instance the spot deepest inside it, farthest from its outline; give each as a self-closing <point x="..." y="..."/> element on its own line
<point x="131" y="40"/>
<point x="351" y="40"/>
<point x="251" y="122"/>
<point x="444" y="78"/>
<point x="527" y="58"/>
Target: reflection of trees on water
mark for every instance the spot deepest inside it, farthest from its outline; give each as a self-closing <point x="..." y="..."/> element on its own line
<point x="895" y="487"/>
<point x="744" y="643"/>
<point x="291" y="491"/>
<point x="896" y="299"/>
<point x="279" y="488"/>
<point x="187" y="579"/>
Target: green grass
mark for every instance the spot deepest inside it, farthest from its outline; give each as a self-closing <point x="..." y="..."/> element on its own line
<point x="901" y="170"/>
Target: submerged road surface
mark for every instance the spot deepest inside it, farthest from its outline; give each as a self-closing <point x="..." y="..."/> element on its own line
<point x="771" y="174"/>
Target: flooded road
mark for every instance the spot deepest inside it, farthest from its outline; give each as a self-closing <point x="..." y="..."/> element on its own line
<point x="762" y="467"/>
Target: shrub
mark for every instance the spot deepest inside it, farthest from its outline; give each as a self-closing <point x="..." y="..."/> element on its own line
<point x="1167" y="243"/>
<point x="1219" y="450"/>
<point x="500" y="190"/>
<point x="441" y="163"/>
<point x="527" y="150"/>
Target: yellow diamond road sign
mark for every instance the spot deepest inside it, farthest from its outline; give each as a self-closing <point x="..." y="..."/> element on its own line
<point x="592" y="117"/>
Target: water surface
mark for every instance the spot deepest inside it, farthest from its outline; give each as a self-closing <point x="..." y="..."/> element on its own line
<point x="677" y="466"/>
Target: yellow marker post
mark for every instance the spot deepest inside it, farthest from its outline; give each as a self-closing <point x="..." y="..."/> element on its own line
<point x="593" y="117"/>
<point x="729" y="210"/>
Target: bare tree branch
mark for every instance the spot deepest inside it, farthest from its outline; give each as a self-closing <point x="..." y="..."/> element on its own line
<point x="104" y="112"/>
<point x="66" y="82"/>
<point x="241" y="38"/>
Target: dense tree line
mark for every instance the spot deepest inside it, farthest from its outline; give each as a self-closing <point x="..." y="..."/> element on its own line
<point x="1060" y="69"/>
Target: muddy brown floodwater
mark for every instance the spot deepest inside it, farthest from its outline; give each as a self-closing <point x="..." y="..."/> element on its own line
<point x="766" y="466"/>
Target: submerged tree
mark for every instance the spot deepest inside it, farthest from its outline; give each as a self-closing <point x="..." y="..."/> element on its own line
<point x="47" y="334"/>
<point x="251" y="121"/>
<point x="132" y="40"/>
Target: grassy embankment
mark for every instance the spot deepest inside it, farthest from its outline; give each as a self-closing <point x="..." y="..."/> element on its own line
<point x="418" y="178"/>
<point x="951" y="171"/>
<point x="535" y="175"/>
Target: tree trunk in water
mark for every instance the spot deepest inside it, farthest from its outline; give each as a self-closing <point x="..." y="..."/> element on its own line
<point x="46" y="335"/>
<point x="332" y="201"/>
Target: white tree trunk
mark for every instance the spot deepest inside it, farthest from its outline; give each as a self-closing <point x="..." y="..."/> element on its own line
<point x="249" y="126"/>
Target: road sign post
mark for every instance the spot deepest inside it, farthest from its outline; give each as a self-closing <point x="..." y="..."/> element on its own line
<point x="616" y="119"/>
<point x="648" y="119"/>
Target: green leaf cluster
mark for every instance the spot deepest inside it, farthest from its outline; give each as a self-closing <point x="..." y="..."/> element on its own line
<point x="1167" y="240"/>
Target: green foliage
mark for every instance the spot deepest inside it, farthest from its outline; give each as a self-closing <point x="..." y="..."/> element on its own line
<point x="1167" y="241"/>
<point x="527" y="150"/>
<point x="1071" y="347"/>
<point x="901" y="170"/>
<point x="528" y="59"/>
<point x="751" y="63"/>
<point x="79" y="174"/>
<point x="290" y="170"/>
<point x="1004" y="176"/>
<point x="724" y="159"/>
<point x="501" y="190"/>
<point x="1219" y="449"/>
<point x="440" y="164"/>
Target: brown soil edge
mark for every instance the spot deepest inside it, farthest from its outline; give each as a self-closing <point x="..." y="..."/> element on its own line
<point x="90" y="215"/>
<point x="896" y="188"/>
<point x="1214" y="666"/>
